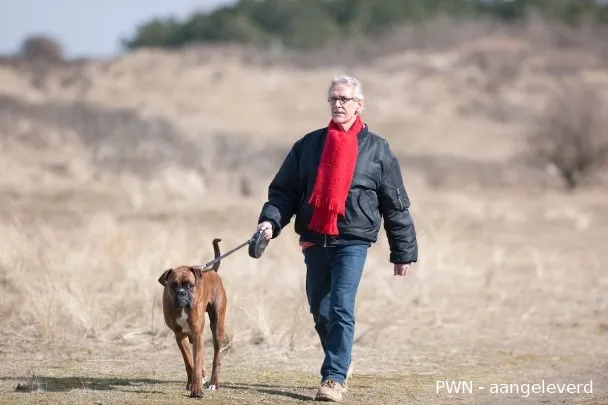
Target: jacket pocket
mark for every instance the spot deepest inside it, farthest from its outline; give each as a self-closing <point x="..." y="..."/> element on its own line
<point x="368" y="204"/>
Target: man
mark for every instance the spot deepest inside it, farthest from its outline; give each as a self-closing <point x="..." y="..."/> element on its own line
<point x="339" y="182"/>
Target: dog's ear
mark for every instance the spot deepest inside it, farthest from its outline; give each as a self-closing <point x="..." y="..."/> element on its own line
<point x="163" y="277"/>
<point x="198" y="272"/>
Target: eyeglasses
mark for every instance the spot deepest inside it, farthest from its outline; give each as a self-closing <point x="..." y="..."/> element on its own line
<point x="341" y="99"/>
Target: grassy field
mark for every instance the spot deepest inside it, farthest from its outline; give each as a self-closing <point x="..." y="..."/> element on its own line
<point x="113" y="171"/>
<point x="508" y="290"/>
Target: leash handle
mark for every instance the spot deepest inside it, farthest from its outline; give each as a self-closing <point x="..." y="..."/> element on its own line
<point x="258" y="244"/>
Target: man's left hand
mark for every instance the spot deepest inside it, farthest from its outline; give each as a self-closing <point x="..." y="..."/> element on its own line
<point x="401" y="269"/>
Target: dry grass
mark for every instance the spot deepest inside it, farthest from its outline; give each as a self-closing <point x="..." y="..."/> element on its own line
<point x="508" y="290"/>
<point x="510" y="286"/>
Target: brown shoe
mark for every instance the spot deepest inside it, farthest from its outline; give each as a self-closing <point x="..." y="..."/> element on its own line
<point x="330" y="391"/>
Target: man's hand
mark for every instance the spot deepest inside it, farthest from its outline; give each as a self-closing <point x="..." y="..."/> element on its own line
<point x="266" y="227"/>
<point x="401" y="269"/>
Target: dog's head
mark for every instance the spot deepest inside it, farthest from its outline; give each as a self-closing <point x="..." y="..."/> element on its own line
<point x="180" y="283"/>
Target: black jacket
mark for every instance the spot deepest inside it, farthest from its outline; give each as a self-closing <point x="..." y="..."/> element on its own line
<point x="376" y="192"/>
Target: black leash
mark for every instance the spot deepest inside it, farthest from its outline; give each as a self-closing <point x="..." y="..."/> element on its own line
<point x="257" y="245"/>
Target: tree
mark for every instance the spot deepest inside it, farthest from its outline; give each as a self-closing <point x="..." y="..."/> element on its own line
<point x="158" y="32"/>
<point x="42" y="48"/>
<point x="304" y="24"/>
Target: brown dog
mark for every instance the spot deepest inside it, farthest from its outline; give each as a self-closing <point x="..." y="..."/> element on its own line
<point x="189" y="293"/>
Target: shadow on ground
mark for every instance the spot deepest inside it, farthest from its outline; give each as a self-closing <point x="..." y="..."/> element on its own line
<point x="270" y="389"/>
<point x="140" y="385"/>
<point x="65" y="384"/>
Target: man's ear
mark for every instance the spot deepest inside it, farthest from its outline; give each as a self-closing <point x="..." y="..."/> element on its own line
<point x="361" y="108"/>
<point x="163" y="277"/>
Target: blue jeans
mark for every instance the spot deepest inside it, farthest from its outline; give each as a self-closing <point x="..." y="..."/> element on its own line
<point x="332" y="280"/>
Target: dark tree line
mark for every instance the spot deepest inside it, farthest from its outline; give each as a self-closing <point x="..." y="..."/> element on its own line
<point x="307" y="24"/>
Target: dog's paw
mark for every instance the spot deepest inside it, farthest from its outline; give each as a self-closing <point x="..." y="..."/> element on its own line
<point x="197" y="394"/>
<point x="212" y="387"/>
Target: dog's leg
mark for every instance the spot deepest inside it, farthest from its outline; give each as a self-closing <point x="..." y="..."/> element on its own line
<point x="184" y="347"/>
<point x="204" y="374"/>
<point x="198" y="346"/>
<point x="217" y="315"/>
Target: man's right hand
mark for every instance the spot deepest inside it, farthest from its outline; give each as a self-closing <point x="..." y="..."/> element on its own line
<point x="266" y="227"/>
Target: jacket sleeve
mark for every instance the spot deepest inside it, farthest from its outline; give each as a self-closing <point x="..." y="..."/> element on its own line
<point x="283" y="193"/>
<point x="394" y="207"/>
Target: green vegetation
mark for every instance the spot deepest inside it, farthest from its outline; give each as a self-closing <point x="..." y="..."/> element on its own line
<point x="307" y="24"/>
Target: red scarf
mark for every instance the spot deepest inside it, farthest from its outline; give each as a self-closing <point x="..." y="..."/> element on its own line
<point x="334" y="177"/>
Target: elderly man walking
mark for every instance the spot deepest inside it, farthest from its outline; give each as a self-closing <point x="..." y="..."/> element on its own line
<point x="340" y="181"/>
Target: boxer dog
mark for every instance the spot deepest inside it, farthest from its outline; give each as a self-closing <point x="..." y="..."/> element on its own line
<point x="189" y="293"/>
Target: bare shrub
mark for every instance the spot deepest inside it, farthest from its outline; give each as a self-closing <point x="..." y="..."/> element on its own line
<point x="42" y="47"/>
<point x="500" y="67"/>
<point x="571" y="135"/>
<point x="38" y="55"/>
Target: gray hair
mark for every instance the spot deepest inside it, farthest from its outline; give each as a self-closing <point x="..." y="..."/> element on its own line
<point x="350" y="81"/>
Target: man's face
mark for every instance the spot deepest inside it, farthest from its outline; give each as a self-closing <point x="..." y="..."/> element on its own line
<point x="344" y="108"/>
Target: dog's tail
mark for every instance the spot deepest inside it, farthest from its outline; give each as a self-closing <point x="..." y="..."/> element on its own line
<point x="217" y="253"/>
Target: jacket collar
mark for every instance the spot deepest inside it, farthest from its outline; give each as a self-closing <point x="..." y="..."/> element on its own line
<point x="363" y="133"/>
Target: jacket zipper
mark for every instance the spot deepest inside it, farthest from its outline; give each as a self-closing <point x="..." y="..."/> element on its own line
<point x="399" y="198"/>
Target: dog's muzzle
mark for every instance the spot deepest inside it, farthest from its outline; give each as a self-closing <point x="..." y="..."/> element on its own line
<point x="182" y="298"/>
